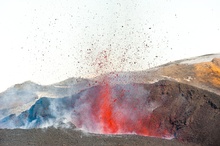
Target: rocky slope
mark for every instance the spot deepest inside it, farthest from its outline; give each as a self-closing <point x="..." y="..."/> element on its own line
<point x="179" y="100"/>
<point x="21" y="97"/>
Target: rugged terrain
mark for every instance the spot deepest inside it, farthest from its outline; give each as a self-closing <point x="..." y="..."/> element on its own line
<point x="68" y="137"/>
<point x="178" y="101"/>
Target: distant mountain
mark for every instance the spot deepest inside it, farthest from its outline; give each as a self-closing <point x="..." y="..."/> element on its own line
<point x="17" y="96"/>
<point x="41" y="114"/>
<point x="72" y="81"/>
<point x="202" y="72"/>
<point x="21" y="96"/>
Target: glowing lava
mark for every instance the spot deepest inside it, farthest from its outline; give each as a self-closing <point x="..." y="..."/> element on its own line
<point x="121" y="109"/>
<point x="107" y="119"/>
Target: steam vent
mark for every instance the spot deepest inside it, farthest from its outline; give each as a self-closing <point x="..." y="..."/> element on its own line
<point x="173" y="104"/>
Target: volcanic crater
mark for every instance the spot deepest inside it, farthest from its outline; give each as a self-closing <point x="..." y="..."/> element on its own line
<point x="179" y="101"/>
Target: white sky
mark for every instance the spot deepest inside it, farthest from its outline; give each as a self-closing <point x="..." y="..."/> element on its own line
<point x="47" y="41"/>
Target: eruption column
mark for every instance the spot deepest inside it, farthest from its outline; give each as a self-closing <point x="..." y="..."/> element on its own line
<point x="107" y="119"/>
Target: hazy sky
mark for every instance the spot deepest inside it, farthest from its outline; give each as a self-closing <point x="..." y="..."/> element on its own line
<point x="47" y="41"/>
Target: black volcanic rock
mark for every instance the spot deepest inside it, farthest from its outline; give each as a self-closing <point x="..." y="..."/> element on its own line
<point x="192" y="113"/>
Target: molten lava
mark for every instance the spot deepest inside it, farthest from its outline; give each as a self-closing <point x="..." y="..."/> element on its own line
<point x="121" y="110"/>
<point x="107" y="119"/>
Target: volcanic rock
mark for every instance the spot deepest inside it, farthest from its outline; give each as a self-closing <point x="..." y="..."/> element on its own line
<point x="179" y="100"/>
<point x="216" y="61"/>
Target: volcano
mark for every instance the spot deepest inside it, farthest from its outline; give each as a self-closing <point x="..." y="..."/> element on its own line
<point x="179" y="100"/>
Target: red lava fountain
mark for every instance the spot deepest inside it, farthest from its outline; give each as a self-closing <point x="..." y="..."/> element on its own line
<point x="107" y="119"/>
<point x="118" y="111"/>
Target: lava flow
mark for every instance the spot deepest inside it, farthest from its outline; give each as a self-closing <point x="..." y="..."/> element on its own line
<point x="120" y="109"/>
<point x="107" y="120"/>
<point x="117" y="109"/>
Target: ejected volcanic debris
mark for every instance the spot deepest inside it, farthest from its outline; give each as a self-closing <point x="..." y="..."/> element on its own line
<point x="178" y="101"/>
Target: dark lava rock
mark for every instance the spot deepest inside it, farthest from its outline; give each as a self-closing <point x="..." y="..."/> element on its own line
<point x="70" y="137"/>
<point x="192" y="113"/>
